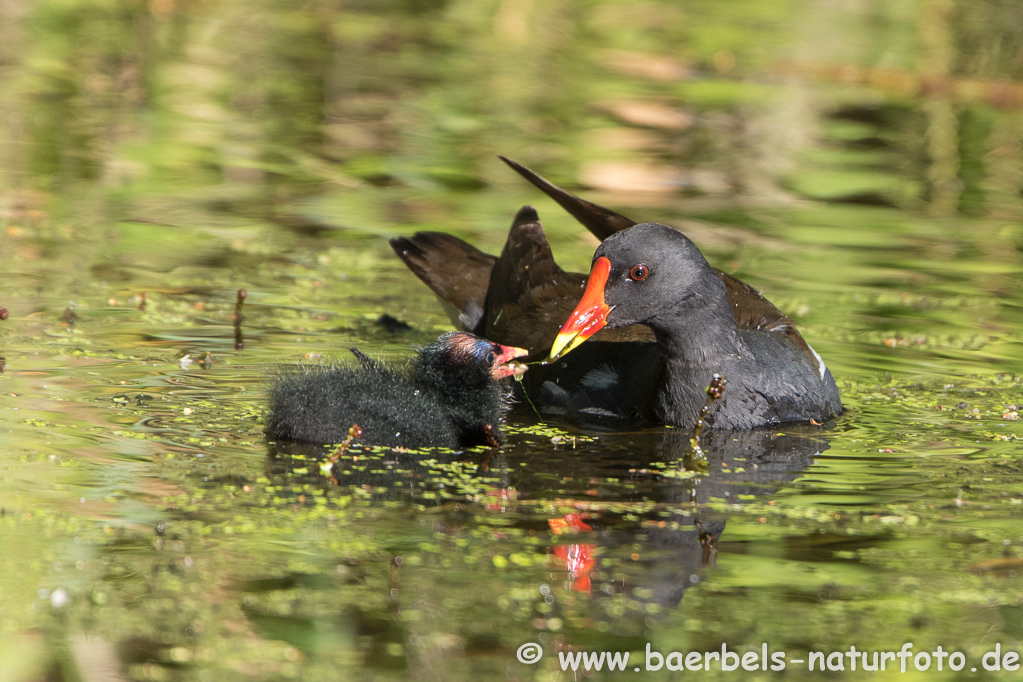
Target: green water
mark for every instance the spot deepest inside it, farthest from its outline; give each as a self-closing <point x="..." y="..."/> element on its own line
<point x="861" y="163"/>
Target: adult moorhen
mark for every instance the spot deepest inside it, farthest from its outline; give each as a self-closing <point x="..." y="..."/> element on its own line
<point x="654" y="275"/>
<point x="449" y="396"/>
<point x="626" y="370"/>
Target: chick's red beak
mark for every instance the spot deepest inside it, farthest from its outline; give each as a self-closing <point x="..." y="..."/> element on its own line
<point x="589" y="317"/>
<point x="503" y="365"/>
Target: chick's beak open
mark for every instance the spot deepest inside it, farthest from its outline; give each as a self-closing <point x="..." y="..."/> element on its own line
<point x="589" y="317"/>
<point x="503" y="365"/>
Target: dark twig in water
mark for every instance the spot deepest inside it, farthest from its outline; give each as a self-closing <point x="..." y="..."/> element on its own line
<point x="239" y="342"/>
<point x="714" y="391"/>
<point x="68" y="317"/>
<point x="353" y="433"/>
<point x="3" y="364"/>
<point x="242" y="293"/>
<point x="142" y="298"/>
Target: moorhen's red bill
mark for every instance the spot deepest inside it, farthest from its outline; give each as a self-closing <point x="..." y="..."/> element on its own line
<point x="522" y="297"/>
<point x="448" y="396"/>
<point x="654" y="275"/>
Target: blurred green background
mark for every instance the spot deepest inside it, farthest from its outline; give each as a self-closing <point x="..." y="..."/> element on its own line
<point x="341" y="110"/>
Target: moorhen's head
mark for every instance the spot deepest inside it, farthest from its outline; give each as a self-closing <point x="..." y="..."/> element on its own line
<point x="464" y="359"/>
<point x="638" y="274"/>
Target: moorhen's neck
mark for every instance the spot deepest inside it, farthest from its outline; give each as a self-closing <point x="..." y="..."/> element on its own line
<point x="696" y="338"/>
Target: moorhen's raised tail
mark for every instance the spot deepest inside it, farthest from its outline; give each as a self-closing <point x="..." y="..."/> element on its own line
<point x="449" y="396"/>
<point x="654" y="275"/>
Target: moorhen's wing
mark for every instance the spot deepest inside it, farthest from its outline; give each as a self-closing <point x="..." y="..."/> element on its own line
<point x="529" y="295"/>
<point x="753" y="311"/>
<point x="457" y="272"/>
<point x="528" y="292"/>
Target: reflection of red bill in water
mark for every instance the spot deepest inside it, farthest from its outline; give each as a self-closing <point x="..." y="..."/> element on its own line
<point x="580" y="562"/>
<point x="578" y="558"/>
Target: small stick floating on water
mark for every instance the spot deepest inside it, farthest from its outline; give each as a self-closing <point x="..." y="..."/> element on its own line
<point x="239" y="342"/>
<point x="328" y="466"/>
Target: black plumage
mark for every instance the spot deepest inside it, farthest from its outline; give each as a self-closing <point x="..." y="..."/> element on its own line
<point x="448" y="395"/>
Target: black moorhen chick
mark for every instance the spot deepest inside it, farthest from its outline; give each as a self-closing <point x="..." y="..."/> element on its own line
<point x="448" y="396"/>
<point x="521" y="297"/>
<point x="654" y="275"/>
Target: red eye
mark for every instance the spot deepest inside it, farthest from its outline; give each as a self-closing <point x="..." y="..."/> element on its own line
<point x="639" y="273"/>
